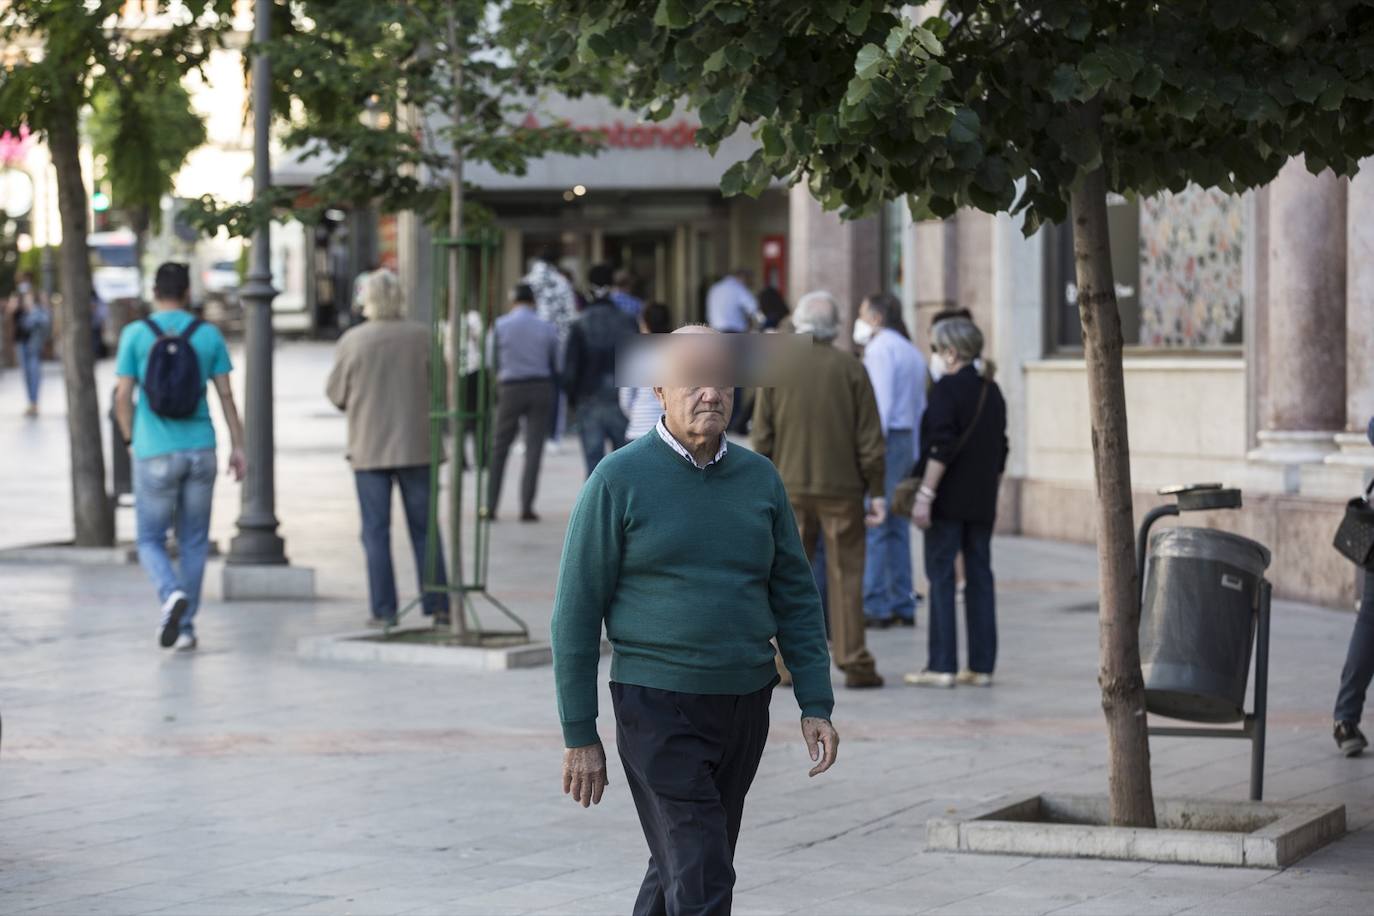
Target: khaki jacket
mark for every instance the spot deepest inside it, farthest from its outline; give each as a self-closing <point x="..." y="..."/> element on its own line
<point x="380" y="380"/>
<point x="821" y="427"/>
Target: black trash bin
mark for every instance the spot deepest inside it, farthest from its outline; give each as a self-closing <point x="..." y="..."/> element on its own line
<point x="1197" y="627"/>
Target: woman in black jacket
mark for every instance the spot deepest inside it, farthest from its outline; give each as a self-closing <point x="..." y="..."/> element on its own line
<point x="963" y="454"/>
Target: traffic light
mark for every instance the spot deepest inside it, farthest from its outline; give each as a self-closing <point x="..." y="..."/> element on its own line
<point x="100" y="201"/>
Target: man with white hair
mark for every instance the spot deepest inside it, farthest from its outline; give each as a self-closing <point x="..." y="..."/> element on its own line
<point x="821" y="427"/>
<point x="380" y="380"/>
<point x="685" y="547"/>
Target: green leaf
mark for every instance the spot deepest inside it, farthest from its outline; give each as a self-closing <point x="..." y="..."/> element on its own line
<point x="760" y="99"/>
<point x="965" y="127"/>
<point x="1083" y="149"/>
<point x="838" y="10"/>
<point x="672" y="14"/>
<point x="733" y="182"/>
<point x="738" y="57"/>
<point x="826" y="131"/>
<point x="774" y="145"/>
<point x="716" y="111"/>
<point x="1064" y="84"/>
<point x="896" y="38"/>
<point x="926" y="39"/>
<point x="1094" y="71"/>
<point x="869" y="61"/>
<point x="731" y="15"/>
<point x="857" y="21"/>
<point x="1147" y="83"/>
<point x="715" y="62"/>
<point x="1331" y="98"/>
<point x="937" y="26"/>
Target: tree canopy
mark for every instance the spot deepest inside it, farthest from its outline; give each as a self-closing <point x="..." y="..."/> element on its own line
<point x="983" y="104"/>
<point x="367" y="89"/>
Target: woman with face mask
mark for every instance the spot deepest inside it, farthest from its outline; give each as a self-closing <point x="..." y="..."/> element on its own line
<point x="963" y="453"/>
<point x="32" y="327"/>
<point x="898" y="373"/>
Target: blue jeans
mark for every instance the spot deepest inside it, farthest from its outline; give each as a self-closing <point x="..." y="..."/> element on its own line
<point x="374" y="501"/>
<point x="30" y="357"/>
<point x="887" y="564"/>
<point x="175" y="490"/>
<point x="600" y="423"/>
<point x="945" y="540"/>
<point x="1359" y="659"/>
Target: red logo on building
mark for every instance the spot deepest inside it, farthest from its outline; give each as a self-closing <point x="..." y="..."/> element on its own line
<point x="678" y="135"/>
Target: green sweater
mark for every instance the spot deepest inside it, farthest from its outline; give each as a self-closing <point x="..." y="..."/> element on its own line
<point x="692" y="571"/>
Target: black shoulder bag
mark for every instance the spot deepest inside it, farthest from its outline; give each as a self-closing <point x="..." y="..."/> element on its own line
<point x="1355" y="536"/>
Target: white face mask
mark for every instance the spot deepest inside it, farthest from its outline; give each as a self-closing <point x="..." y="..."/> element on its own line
<point x="863" y="332"/>
<point x="938" y="367"/>
<point x="24" y="288"/>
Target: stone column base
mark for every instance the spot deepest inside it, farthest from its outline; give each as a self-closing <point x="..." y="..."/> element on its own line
<point x="262" y="583"/>
<point x="1286" y="451"/>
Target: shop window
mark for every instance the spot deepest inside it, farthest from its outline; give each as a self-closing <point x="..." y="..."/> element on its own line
<point x="1177" y="261"/>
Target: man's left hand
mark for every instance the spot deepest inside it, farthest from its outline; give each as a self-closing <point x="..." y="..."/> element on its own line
<point x="822" y="742"/>
<point x="877" y="512"/>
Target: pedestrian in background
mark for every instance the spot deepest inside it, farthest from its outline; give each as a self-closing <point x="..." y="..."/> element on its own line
<point x="169" y="357"/>
<point x="622" y="294"/>
<point x="589" y="369"/>
<point x="640" y="405"/>
<point x="32" y="328"/>
<point x="380" y="380"/>
<point x="525" y="355"/>
<point x="773" y="310"/>
<point x="963" y="453"/>
<point x="898" y="373"/>
<point x="555" y="301"/>
<point x="820" y="426"/>
<point x="1359" y="667"/>
<point x="685" y="550"/>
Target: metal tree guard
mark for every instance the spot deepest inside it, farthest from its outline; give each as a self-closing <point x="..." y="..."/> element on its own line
<point x="470" y="556"/>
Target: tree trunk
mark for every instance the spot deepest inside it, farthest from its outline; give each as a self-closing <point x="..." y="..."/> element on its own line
<point x="92" y="510"/>
<point x="458" y="615"/>
<point x="1123" y="687"/>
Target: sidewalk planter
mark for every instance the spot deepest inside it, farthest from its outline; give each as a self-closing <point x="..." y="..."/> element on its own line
<point x="426" y="646"/>
<point x="1191" y="831"/>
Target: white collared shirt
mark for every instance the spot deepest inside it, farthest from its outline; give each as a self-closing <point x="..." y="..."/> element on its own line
<point x="662" y="430"/>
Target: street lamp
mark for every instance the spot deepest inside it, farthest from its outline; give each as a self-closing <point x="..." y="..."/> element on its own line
<point x="256" y="566"/>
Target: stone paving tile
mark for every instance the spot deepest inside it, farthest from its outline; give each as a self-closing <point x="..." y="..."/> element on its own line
<point x="247" y="780"/>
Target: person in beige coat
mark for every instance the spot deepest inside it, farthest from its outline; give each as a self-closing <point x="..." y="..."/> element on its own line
<point x="380" y="380"/>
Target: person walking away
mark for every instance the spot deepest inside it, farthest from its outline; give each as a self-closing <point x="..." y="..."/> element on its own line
<point x="589" y="369"/>
<point x="820" y="426"/>
<point x="773" y="310"/>
<point x="684" y="547"/>
<point x="555" y="301"/>
<point x="525" y="354"/>
<point x="380" y="380"/>
<point x="169" y="357"/>
<point x="470" y="378"/>
<point x="622" y="294"/>
<point x="963" y="454"/>
<point x="640" y="405"/>
<point x="730" y="307"/>
<point x="32" y="329"/>
<point x="1359" y="667"/>
<point x="898" y="373"/>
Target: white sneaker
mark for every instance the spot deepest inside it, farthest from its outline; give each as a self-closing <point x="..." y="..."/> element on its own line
<point x="930" y="679"/>
<point x="974" y="678"/>
<point x="173" y="609"/>
<point x="186" y="642"/>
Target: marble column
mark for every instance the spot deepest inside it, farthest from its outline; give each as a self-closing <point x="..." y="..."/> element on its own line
<point x="1306" y="315"/>
<point x="826" y="252"/>
<point x="1359" y="322"/>
<point x="976" y="233"/>
<point x="935" y="280"/>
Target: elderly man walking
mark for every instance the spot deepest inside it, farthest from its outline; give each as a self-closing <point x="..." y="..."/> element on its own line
<point x="821" y="428"/>
<point x="687" y="550"/>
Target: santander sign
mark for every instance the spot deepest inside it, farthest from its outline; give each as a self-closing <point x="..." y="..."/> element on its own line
<point x="677" y="135"/>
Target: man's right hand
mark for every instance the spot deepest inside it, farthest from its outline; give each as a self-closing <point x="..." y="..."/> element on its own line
<point x="584" y="774"/>
<point x="238" y="464"/>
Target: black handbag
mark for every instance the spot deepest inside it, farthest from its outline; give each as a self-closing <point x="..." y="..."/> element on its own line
<point x="1355" y="536"/>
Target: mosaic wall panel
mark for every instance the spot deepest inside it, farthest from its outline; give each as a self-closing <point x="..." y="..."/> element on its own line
<point x="1191" y="279"/>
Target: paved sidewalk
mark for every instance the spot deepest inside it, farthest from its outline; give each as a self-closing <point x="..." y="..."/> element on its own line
<point x="242" y="780"/>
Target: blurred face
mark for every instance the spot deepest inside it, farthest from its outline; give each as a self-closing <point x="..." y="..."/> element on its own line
<point x="698" y="397"/>
<point x="868" y="313"/>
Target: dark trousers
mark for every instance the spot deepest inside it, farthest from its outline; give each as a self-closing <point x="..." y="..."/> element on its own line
<point x="689" y="759"/>
<point x="374" y="500"/>
<point x="1359" y="659"/>
<point x="944" y="541"/>
<point x="532" y="401"/>
<point x="599" y="424"/>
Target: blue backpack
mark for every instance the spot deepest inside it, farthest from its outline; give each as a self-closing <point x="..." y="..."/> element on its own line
<point x="173" y="384"/>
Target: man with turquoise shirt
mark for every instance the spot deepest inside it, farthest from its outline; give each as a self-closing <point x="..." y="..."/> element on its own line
<point x="174" y="450"/>
<point x="687" y="551"/>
